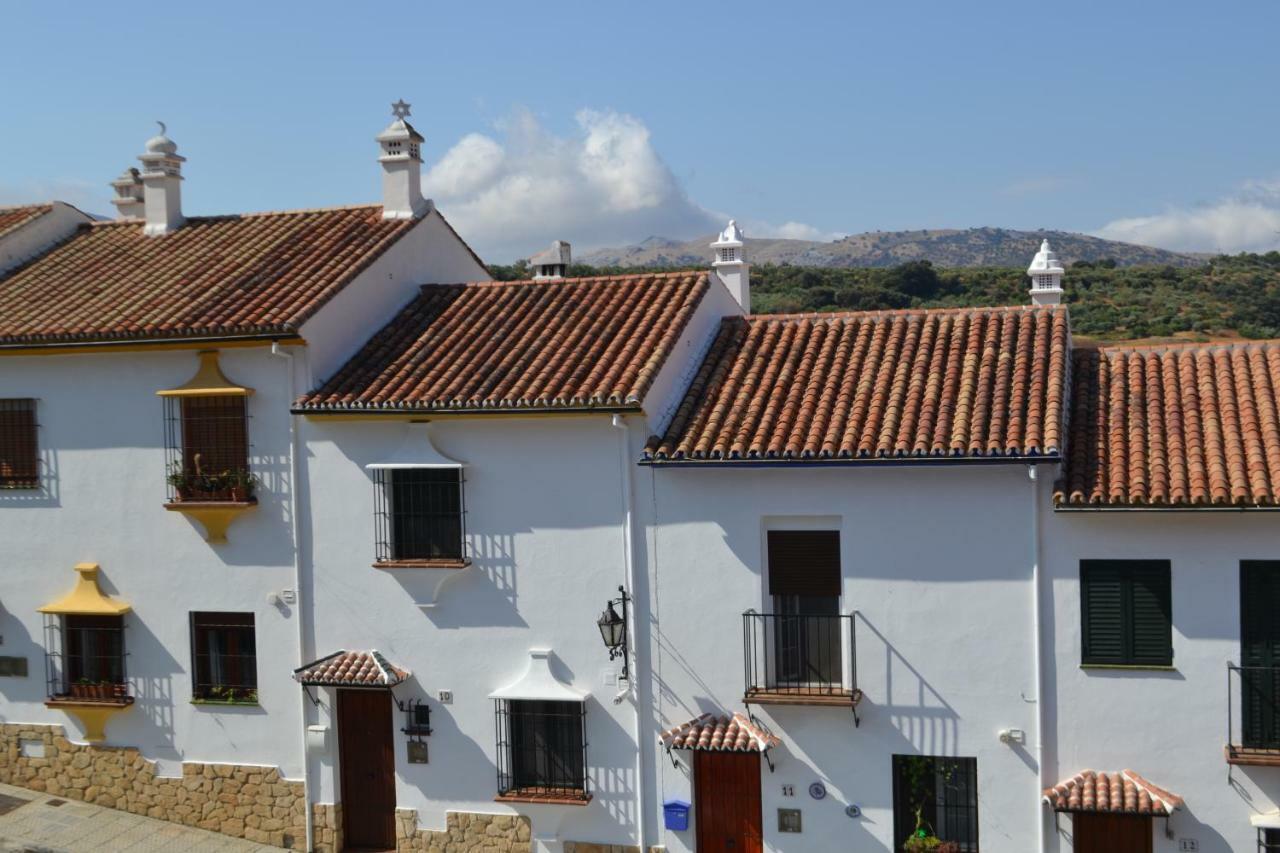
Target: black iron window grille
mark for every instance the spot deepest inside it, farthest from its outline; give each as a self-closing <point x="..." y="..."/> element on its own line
<point x="1268" y="839"/>
<point x="797" y="653"/>
<point x="419" y="515"/>
<point x="207" y="449"/>
<point x="1258" y="692"/>
<point x="224" y="660"/>
<point x="935" y="797"/>
<point x="85" y="658"/>
<point x="19" y="451"/>
<point x="542" y="749"/>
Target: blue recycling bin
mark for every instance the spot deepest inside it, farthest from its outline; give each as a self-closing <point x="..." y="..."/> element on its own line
<point x="675" y="814"/>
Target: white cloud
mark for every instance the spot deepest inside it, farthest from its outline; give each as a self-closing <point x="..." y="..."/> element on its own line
<point x="1246" y="222"/>
<point x="791" y="231"/>
<point x="604" y="185"/>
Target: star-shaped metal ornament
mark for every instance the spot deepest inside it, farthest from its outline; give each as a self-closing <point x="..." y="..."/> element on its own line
<point x="400" y="109"/>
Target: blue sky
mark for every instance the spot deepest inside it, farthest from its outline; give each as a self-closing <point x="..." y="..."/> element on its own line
<point x="604" y="123"/>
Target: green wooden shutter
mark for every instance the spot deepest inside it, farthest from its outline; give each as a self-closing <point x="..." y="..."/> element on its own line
<point x="1151" y="625"/>
<point x="1102" y="611"/>
<point x="1126" y="612"/>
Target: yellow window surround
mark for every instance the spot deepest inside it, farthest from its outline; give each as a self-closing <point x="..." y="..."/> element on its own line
<point x="209" y="381"/>
<point x="86" y="598"/>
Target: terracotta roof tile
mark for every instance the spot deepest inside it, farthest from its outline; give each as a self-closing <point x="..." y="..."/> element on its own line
<point x="12" y="218"/>
<point x="1123" y="792"/>
<point x="566" y="344"/>
<point x="919" y="384"/>
<point x="1193" y="425"/>
<point x="218" y="276"/>
<point x="369" y="669"/>
<point x="721" y="733"/>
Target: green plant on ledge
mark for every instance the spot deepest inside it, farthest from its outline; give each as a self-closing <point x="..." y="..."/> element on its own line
<point x="231" y="485"/>
<point x="222" y="694"/>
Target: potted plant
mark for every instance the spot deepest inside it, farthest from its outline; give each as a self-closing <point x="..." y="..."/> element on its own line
<point x="241" y="484"/>
<point x="178" y="479"/>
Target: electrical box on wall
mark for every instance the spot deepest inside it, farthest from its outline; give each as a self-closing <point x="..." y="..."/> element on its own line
<point x="788" y="820"/>
<point x="317" y="737"/>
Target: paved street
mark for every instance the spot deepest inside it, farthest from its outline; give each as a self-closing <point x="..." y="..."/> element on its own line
<point x="36" y="823"/>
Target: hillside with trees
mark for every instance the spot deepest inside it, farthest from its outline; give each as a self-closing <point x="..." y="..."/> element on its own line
<point x="1227" y="297"/>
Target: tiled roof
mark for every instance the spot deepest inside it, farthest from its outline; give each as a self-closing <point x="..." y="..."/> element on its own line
<point x="1180" y="426"/>
<point x="571" y="344"/>
<point x="919" y="384"/>
<point x="12" y="218"/>
<point x="720" y="733"/>
<point x="368" y="669"/>
<point x="218" y="276"/>
<point x="1123" y="792"/>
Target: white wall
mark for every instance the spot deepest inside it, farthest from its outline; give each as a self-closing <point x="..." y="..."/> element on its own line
<point x="101" y="436"/>
<point x="429" y="254"/>
<point x="1170" y="727"/>
<point x="936" y="562"/>
<point x="543" y="519"/>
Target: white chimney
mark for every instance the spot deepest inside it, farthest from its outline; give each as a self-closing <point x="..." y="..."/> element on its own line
<point x="401" y="167"/>
<point x="731" y="264"/>
<point x="128" y="201"/>
<point x="1046" y="277"/>
<point x="162" y="184"/>
<point x="553" y="263"/>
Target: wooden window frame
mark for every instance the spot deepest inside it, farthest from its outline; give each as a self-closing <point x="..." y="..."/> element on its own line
<point x="1127" y="570"/>
<point x="239" y="685"/>
<point x="19" y="444"/>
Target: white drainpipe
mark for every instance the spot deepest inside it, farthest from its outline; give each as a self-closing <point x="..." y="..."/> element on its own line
<point x="280" y="352"/>
<point x="1037" y="597"/>
<point x="624" y="463"/>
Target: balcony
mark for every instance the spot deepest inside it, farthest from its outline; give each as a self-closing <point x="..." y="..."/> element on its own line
<point x="800" y="660"/>
<point x="1253" y="715"/>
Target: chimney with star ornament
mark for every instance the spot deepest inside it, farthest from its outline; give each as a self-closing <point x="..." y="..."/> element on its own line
<point x="401" y="167"/>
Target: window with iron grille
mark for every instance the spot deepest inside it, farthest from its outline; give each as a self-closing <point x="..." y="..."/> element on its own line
<point x="224" y="661"/>
<point x="19" y="459"/>
<point x="936" y="795"/>
<point x="542" y="749"/>
<point x="418" y="514"/>
<point x="84" y="658"/>
<point x="1125" y="611"/>
<point x="1268" y="839"/>
<point x="207" y="440"/>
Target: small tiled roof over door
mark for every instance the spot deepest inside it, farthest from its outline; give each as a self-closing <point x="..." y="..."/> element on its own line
<point x="215" y="277"/>
<point x="1118" y="793"/>
<point x="351" y="669"/>
<point x="719" y="733"/>
<point x="918" y="385"/>
<point x="519" y="346"/>
<point x="1187" y="426"/>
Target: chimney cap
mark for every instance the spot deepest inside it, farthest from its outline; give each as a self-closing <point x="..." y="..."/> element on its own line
<point x="731" y="236"/>
<point x="161" y="144"/>
<point x="1045" y="262"/>
<point x="559" y="252"/>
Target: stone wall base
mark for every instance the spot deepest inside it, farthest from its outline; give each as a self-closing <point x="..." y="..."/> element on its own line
<point x="589" y="847"/>
<point x="491" y="833"/>
<point x="245" y="801"/>
<point x="327" y="820"/>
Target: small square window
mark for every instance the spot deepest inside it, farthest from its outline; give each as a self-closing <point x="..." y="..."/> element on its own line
<point x="542" y="749"/>
<point x="419" y="514"/>
<point x="224" y="661"/>
<point x="208" y="448"/>
<point x="1125" y="611"/>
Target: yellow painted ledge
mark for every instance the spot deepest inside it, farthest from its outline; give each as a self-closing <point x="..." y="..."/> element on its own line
<point x="214" y="516"/>
<point x="93" y="716"/>
<point x="209" y="381"/>
<point x="86" y="598"/>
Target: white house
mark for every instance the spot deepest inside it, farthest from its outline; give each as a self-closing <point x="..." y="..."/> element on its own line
<point x="611" y="563"/>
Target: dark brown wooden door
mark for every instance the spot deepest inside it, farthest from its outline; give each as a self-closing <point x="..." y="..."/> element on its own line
<point x="726" y="802"/>
<point x="367" y="757"/>
<point x="1111" y="833"/>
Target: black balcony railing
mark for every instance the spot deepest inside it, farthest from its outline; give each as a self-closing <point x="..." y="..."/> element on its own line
<point x="799" y="659"/>
<point x="1253" y="714"/>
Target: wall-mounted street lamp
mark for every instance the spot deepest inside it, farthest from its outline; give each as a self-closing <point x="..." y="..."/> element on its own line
<point x="613" y="630"/>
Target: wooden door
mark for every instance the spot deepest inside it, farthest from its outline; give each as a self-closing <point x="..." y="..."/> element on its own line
<point x="1111" y="833"/>
<point x="367" y="757"/>
<point x="1260" y="653"/>
<point x="726" y="802"/>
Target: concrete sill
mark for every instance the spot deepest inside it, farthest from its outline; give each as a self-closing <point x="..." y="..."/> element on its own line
<point x="1129" y="667"/>
<point x="551" y="797"/>
<point x="235" y="703"/>
<point x="1252" y="757"/>
<point x="439" y="563"/>
<point x="786" y="696"/>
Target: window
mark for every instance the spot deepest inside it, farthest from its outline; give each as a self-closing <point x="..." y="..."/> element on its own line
<point x="86" y="658"/>
<point x="19" y="464"/>
<point x="419" y="514"/>
<point x="541" y="749"/>
<point x="804" y="581"/>
<point x="1268" y="839"/>
<point x="224" y="661"/>
<point x="208" y="444"/>
<point x="938" y="796"/>
<point x="1125" y="609"/>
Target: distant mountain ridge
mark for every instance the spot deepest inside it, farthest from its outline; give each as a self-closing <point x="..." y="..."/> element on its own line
<point x="947" y="247"/>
